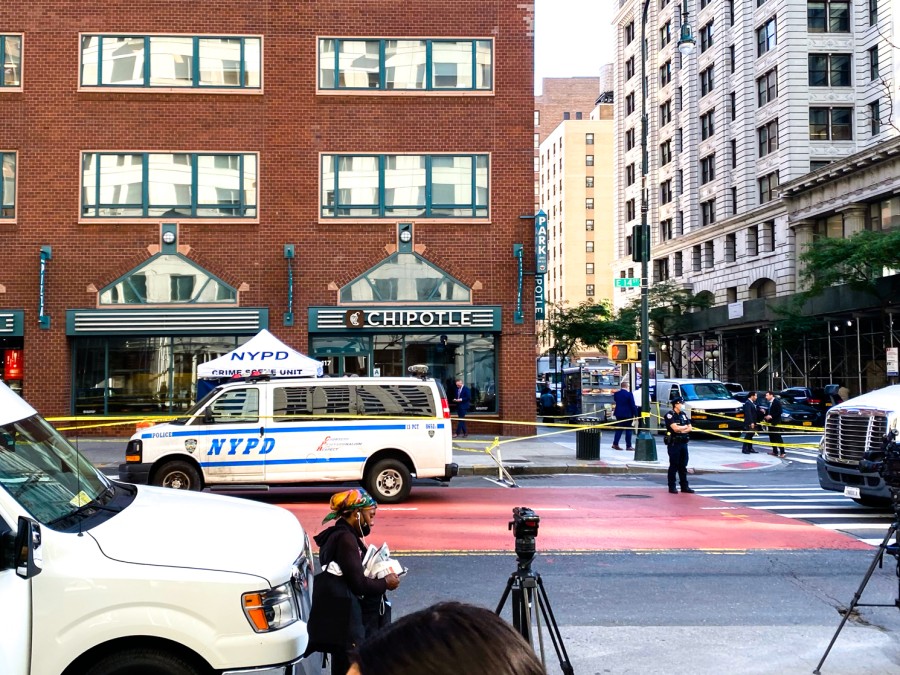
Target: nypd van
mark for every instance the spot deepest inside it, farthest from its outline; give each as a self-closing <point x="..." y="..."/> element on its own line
<point x="708" y="403"/>
<point x="101" y="577"/>
<point x="260" y="432"/>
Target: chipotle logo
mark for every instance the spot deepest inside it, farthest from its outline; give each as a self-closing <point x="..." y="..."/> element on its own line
<point x="355" y="318"/>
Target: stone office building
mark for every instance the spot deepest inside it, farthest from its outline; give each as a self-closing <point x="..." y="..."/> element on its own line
<point x="178" y="176"/>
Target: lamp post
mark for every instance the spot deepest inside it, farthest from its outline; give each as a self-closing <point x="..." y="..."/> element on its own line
<point x="645" y="446"/>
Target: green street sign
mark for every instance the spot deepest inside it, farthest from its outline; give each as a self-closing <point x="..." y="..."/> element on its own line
<point x="628" y="282"/>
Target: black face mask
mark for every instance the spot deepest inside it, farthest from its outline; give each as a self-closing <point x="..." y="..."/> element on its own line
<point x="364" y="527"/>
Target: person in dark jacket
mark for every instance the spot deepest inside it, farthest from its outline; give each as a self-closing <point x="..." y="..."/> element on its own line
<point x="751" y="417"/>
<point x="344" y="544"/>
<point x="626" y="411"/>
<point x="462" y="399"/>
<point x="773" y="418"/>
<point x="678" y="424"/>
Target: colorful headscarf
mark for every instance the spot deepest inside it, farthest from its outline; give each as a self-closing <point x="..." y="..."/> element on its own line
<point x="345" y="502"/>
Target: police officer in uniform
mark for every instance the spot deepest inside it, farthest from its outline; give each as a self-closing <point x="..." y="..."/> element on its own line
<point x="679" y="425"/>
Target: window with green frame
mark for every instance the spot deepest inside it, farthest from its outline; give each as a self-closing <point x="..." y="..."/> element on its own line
<point x="388" y="186"/>
<point x="8" y="185"/>
<point x="220" y="62"/>
<point x="405" y="65"/>
<point x="154" y="185"/>
<point x="11" y="58"/>
<point x="405" y="277"/>
<point x="168" y="278"/>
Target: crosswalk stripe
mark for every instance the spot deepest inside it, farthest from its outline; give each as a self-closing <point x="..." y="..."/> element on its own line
<point x="855" y="526"/>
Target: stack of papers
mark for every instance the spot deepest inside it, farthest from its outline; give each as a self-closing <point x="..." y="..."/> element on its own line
<point x="378" y="563"/>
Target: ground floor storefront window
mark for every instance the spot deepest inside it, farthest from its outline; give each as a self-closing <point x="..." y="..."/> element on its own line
<point x="152" y="374"/>
<point x="470" y="356"/>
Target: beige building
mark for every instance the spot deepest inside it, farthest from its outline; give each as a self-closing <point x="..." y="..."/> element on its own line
<point x="576" y="193"/>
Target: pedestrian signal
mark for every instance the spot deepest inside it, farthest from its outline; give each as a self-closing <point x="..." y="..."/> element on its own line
<point x="624" y="352"/>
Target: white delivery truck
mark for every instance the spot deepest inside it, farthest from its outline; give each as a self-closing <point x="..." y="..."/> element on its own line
<point x="255" y="432"/>
<point x="853" y="428"/>
<point x="100" y="577"/>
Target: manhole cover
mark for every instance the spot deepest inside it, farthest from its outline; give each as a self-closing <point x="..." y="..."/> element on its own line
<point x="634" y="496"/>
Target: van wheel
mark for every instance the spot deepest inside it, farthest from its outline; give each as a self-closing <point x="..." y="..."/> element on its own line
<point x="389" y="481"/>
<point x="143" y="661"/>
<point x="177" y="475"/>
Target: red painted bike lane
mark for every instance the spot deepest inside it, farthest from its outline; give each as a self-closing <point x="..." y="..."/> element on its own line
<point x="582" y="519"/>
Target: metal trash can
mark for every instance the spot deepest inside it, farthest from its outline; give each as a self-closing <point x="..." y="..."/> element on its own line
<point x="587" y="441"/>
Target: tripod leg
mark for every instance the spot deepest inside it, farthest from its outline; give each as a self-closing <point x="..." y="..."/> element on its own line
<point x="553" y="628"/>
<point x="539" y="608"/>
<point x="509" y="585"/>
<point x="877" y="559"/>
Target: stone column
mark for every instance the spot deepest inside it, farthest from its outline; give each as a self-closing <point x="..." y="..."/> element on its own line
<point x="854" y="218"/>
<point x="803" y="238"/>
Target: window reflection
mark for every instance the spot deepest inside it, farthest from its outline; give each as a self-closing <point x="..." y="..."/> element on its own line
<point x="8" y="185"/>
<point x="404" y="64"/>
<point x="171" y="61"/>
<point x="11" y="58"/>
<point x="166" y="279"/>
<point x="452" y="65"/>
<point x="123" y="60"/>
<point x="405" y="277"/>
<point x="358" y="64"/>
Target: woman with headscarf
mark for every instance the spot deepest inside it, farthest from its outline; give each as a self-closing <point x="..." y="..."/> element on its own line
<point x="344" y="544"/>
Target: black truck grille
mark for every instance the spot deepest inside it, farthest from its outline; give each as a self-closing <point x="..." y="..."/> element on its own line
<point x="850" y="433"/>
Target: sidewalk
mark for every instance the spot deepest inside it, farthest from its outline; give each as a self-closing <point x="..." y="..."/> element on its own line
<point x="555" y="453"/>
<point x="546" y="453"/>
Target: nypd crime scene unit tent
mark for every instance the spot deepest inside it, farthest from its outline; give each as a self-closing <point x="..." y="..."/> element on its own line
<point x="263" y="354"/>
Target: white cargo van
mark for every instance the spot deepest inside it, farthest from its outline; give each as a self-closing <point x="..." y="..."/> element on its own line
<point x="257" y="432"/>
<point x="853" y="428"/>
<point x="708" y="403"/>
<point x="102" y="577"/>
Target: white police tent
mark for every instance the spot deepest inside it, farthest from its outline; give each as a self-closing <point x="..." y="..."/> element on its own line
<point x="264" y="354"/>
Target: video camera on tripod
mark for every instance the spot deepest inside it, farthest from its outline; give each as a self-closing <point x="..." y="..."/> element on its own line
<point x="524" y="526"/>
<point x="885" y="462"/>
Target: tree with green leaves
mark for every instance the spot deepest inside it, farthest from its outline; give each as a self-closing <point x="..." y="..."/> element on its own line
<point x="669" y="304"/>
<point x="587" y="325"/>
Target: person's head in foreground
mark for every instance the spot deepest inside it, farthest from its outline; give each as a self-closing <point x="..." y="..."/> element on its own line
<point x="447" y="639"/>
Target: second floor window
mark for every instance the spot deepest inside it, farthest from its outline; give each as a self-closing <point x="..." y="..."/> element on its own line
<point x="765" y="37"/>
<point x="829" y="70"/>
<point x="828" y="16"/>
<point x="389" y="186"/>
<point x="831" y="124"/>
<point x="767" y="87"/>
<point x="171" y="61"/>
<point x="11" y="60"/>
<point x="164" y="185"/>
<point x="408" y="64"/>
<point x="767" y="135"/>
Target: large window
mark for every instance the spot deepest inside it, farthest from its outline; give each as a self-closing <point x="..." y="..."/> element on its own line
<point x="708" y="212"/>
<point x="834" y="124"/>
<point x="767" y="87"/>
<point x="665" y="73"/>
<point x="167" y="279"/>
<point x="829" y="16"/>
<point x="767" y="185"/>
<point x="404" y="65"/>
<point x="163" y="185"/>
<point x="171" y="61"/>
<point x="707" y="81"/>
<point x="765" y="37"/>
<point x="8" y="185"/>
<point x="128" y="374"/>
<point x="665" y="152"/>
<point x="707" y="127"/>
<point x="388" y="186"/>
<point x="706" y="37"/>
<point x="708" y="169"/>
<point x="829" y="70"/>
<point x="11" y="58"/>
<point x="665" y="113"/>
<point x="767" y="136"/>
<point x="665" y="191"/>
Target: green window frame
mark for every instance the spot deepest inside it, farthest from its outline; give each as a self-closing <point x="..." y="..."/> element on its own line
<point x="169" y="185"/>
<point x="407" y="64"/>
<point x="392" y="186"/>
<point x="7" y="185"/>
<point x="171" y="61"/>
<point x="11" y="58"/>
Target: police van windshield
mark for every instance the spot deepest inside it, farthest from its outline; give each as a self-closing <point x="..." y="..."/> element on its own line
<point x="44" y="473"/>
<point x="198" y="406"/>
<point x="705" y="391"/>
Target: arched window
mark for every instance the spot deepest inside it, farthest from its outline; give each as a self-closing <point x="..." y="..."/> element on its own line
<point x="762" y="288"/>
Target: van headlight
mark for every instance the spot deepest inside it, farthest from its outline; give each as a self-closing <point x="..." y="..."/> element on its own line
<point x="271" y="609"/>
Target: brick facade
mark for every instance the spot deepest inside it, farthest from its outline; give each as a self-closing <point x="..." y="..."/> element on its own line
<point x="49" y="122"/>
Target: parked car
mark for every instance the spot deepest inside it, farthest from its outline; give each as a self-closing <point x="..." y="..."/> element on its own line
<point x="816" y="397"/>
<point x="734" y="387"/>
<point x="795" y="414"/>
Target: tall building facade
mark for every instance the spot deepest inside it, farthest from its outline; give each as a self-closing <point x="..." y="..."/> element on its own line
<point x="177" y="177"/>
<point x="775" y="89"/>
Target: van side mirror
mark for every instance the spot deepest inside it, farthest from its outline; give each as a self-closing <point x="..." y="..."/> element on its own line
<point x="28" y="557"/>
<point x="207" y="416"/>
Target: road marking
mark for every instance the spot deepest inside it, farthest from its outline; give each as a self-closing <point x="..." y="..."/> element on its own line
<point x="855" y="526"/>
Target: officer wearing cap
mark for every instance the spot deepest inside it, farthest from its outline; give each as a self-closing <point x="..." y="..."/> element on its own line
<point x="678" y="424"/>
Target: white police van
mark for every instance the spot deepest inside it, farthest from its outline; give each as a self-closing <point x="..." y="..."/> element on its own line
<point x="256" y="432"/>
<point x="99" y="577"/>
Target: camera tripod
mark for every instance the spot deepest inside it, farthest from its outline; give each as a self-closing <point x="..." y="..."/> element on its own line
<point x="527" y="592"/>
<point x="884" y="547"/>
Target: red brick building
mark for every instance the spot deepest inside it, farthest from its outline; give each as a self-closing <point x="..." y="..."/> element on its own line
<point x="178" y="176"/>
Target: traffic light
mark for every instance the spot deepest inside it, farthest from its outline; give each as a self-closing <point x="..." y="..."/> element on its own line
<point x="624" y="352"/>
<point x="638" y="245"/>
